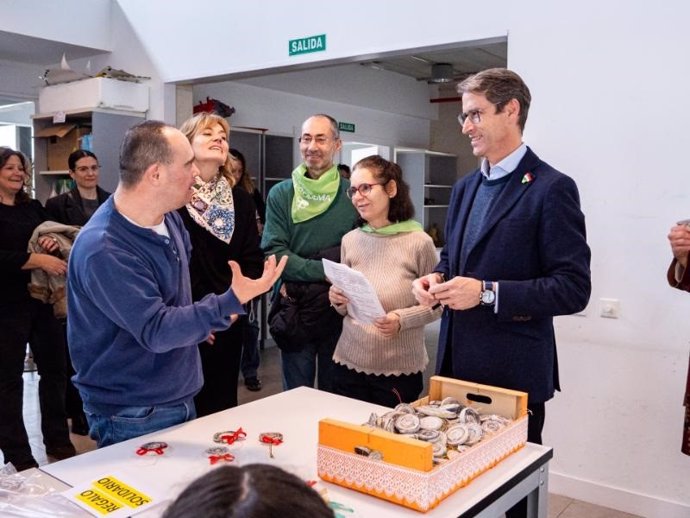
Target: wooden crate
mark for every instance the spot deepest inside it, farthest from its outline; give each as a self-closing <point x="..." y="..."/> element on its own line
<point x="406" y="475"/>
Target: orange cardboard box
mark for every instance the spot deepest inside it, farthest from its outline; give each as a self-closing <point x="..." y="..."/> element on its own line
<point x="406" y="475"/>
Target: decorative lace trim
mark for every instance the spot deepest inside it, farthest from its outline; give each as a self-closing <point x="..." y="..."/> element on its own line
<point x="417" y="489"/>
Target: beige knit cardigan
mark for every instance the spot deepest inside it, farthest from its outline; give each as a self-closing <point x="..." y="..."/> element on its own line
<point x="390" y="263"/>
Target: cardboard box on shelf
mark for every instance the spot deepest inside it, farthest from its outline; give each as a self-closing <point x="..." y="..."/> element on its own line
<point x="406" y="475"/>
<point x="62" y="140"/>
<point x="97" y="92"/>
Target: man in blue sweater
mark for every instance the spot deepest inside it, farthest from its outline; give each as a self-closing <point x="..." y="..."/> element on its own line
<point x="132" y="326"/>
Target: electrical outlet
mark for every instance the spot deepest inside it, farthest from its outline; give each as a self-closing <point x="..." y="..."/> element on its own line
<point x="610" y="308"/>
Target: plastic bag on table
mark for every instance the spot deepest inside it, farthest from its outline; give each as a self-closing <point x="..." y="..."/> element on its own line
<point x="26" y="496"/>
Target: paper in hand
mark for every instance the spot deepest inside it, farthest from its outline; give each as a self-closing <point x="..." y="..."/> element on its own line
<point x="364" y="305"/>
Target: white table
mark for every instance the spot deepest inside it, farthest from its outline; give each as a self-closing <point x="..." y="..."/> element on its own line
<point x="295" y="414"/>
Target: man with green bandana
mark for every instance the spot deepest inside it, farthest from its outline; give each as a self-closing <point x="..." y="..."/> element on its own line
<point x="306" y="215"/>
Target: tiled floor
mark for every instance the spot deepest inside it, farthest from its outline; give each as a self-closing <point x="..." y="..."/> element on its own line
<point x="269" y="372"/>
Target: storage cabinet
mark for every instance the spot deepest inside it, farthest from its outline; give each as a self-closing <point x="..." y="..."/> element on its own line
<point x="107" y="129"/>
<point x="431" y="176"/>
<point x="270" y="158"/>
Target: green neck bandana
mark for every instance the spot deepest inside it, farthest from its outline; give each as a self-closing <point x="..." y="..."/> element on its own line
<point x="394" y="228"/>
<point x="313" y="197"/>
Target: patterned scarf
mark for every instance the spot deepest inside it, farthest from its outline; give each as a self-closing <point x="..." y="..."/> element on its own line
<point x="212" y="207"/>
<point x="394" y="228"/>
<point x="313" y="197"/>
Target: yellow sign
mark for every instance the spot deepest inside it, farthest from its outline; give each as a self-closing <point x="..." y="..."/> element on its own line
<point x="109" y="494"/>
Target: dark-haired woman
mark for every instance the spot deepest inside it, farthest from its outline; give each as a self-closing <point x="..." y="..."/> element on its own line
<point x="76" y="208"/>
<point x="26" y="320"/>
<point x="251" y="358"/>
<point x="252" y="491"/>
<point x="78" y="205"/>
<point x="384" y="362"/>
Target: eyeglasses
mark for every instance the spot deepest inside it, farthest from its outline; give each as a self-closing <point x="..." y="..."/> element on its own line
<point x="363" y="189"/>
<point x="308" y="139"/>
<point x="86" y="168"/>
<point x="474" y="115"/>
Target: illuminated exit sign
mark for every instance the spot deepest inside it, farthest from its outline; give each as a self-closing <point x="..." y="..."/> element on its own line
<point x="307" y="45"/>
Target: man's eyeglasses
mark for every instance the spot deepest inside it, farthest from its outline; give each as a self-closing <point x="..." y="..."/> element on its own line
<point x="87" y="168"/>
<point x="308" y="139"/>
<point x="474" y="115"/>
<point x="363" y="189"/>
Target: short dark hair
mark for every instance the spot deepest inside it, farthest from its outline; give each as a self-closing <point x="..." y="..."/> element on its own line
<point x="401" y="207"/>
<point x="500" y="86"/>
<point x="251" y="491"/>
<point x="344" y="171"/>
<point x="5" y="154"/>
<point x="78" y="155"/>
<point x="144" y="145"/>
<point x="334" y="123"/>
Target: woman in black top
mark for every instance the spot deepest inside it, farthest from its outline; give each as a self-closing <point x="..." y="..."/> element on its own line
<point x="26" y="320"/>
<point x="78" y="205"/>
<point x="221" y="220"/>
<point x="76" y="208"/>
<point x="251" y="358"/>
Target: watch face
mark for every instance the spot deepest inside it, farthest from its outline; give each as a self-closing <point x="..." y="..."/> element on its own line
<point x="488" y="297"/>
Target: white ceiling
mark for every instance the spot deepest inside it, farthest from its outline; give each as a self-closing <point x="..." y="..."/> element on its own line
<point x="463" y="61"/>
<point x="463" y="58"/>
<point x="37" y="51"/>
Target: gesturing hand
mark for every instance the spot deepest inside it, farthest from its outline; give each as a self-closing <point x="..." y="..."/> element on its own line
<point x="246" y="289"/>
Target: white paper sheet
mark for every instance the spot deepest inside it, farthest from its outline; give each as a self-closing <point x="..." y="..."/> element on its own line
<point x="364" y="305"/>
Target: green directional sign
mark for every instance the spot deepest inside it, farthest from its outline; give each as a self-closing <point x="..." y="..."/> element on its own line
<point x="346" y="126"/>
<point x="307" y="45"/>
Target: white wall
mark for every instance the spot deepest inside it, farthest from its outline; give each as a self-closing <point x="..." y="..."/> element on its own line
<point x="20" y="81"/>
<point x="76" y="22"/>
<point x="608" y="81"/>
<point x="283" y="112"/>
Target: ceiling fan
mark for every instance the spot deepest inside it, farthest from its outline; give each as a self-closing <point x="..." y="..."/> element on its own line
<point x="441" y="72"/>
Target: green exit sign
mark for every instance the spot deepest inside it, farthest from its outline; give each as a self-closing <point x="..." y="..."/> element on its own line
<point x="346" y="126"/>
<point x="307" y="45"/>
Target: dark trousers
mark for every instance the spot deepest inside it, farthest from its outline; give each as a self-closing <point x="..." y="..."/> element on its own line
<point x="312" y="361"/>
<point x="379" y="389"/>
<point x="220" y="363"/>
<point x="251" y="357"/>
<point x="31" y="322"/>
<point x="73" y="403"/>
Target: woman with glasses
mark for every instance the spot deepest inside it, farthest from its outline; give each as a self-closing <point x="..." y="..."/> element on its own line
<point x="383" y="362"/>
<point x="76" y="208"/>
<point x="78" y="205"/>
<point x="24" y="319"/>
<point x="221" y="220"/>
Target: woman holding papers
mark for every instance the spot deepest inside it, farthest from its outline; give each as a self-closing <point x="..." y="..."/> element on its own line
<point x="383" y="362"/>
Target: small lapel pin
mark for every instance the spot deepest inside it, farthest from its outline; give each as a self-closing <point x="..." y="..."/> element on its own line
<point x="527" y="178"/>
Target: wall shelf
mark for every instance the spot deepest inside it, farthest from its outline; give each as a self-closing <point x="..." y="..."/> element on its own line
<point x="430" y="175"/>
<point x="108" y="128"/>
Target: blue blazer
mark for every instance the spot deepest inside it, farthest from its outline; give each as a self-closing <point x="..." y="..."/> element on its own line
<point x="533" y="243"/>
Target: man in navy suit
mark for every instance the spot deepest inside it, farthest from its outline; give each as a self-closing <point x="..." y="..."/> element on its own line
<point x="516" y="253"/>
